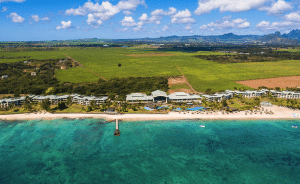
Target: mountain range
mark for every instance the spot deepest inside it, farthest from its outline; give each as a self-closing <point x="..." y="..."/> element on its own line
<point x="291" y="38"/>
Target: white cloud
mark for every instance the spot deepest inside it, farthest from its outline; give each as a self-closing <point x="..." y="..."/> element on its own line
<point x="206" y="6"/>
<point x="244" y="25"/>
<point x="226" y="17"/>
<point x="104" y="11"/>
<point x="157" y="15"/>
<point x="277" y="7"/>
<point x="223" y="25"/>
<point x="144" y="17"/>
<point x="160" y="12"/>
<point x="182" y="17"/>
<point x="16" y="18"/>
<point x="188" y="27"/>
<point x="227" y="24"/>
<point x="292" y="17"/>
<point x="130" y="4"/>
<point x="126" y="12"/>
<point x="239" y="21"/>
<point x="4" y="9"/>
<point x="203" y="27"/>
<point x="164" y="28"/>
<point x="122" y="30"/>
<point x="65" y="25"/>
<point x="17" y="1"/>
<point x="45" y="18"/>
<point x="36" y="18"/>
<point x="128" y="22"/>
<point x="93" y="22"/>
<point x="263" y="25"/>
<point x="90" y="19"/>
<point x="187" y="20"/>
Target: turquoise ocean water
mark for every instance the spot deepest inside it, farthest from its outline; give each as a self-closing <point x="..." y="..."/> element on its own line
<point x="85" y="152"/>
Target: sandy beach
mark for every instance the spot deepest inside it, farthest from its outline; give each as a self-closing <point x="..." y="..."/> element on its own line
<point x="279" y="113"/>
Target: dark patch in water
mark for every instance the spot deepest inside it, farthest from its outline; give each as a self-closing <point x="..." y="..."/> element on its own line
<point x="4" y="123"/>
<point x="213" y="145"/>
<point x="34" y="167"/>
<point x="275" y="159"/>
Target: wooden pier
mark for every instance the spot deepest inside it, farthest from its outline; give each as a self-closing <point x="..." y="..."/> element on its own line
<point x="117" y="131"/>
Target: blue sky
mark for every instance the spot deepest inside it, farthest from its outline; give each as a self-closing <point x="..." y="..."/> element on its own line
<point x="32" y="20"/>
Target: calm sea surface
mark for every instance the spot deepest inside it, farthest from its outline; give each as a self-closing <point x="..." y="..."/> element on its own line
<point x="86" y="152"/>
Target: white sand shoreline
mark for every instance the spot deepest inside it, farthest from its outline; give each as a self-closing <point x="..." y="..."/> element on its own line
<point x="279" y="113"/>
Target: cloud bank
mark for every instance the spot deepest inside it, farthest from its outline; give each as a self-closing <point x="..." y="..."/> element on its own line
<point x="227" y="23"/>
<point x="97" y="13"/>
<point x="206" y="6"/>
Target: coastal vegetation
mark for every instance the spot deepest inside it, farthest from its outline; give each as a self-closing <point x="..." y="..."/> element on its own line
<point x="33" y="77"/>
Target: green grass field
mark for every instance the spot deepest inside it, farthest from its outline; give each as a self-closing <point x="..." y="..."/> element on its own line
<point x="38" y="55"/>
<point x="290" y="50"/>
<point x="76" y="75"/>
<point x="105" y="62"/>
<point x="202" y="74"/>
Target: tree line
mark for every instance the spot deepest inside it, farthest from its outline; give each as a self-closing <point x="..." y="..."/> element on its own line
<point x="258" y="56"/>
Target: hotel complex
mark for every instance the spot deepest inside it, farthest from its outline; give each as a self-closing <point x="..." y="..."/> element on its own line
<point x="156" y="96"/>
<point x="161" y="96"/>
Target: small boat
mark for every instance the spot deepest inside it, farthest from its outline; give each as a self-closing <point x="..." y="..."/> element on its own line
<point x="202" y="125"/>
<point x="294" y="126"/>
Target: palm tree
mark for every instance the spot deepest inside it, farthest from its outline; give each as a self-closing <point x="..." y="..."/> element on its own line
<point x="224" y="103"/>
<point x="204" y="102"/>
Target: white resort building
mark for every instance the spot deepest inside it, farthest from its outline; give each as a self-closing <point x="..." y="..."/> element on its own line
<point x="286" y="94"/>
<point x="218" y="97"/>
<point x="156" y="96"/>
<point x="161" y="96"/>
<point x="86" y="100"/>
<point x="183" y="97"/>
<point x="79" y="99"/>
<point x="136" y="97"/>
<point x="15" y="101"/>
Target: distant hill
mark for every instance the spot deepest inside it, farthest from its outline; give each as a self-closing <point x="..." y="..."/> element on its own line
<point x="226" y="38"/>
<point x="294" y="34"/>
<point x="278" y="39"/>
